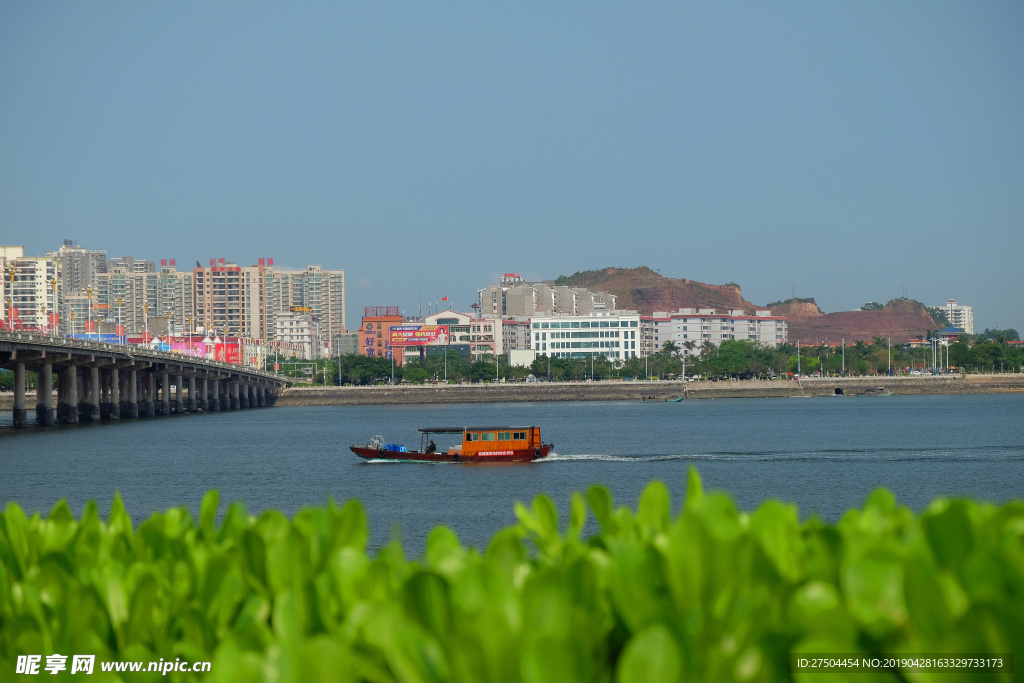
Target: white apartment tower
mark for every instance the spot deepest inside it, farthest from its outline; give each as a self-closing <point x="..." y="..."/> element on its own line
<point x="961" y="317"/>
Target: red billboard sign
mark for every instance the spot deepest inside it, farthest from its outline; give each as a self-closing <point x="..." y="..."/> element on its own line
<point x="419" y="335"/>
<point x="226" y="353"/>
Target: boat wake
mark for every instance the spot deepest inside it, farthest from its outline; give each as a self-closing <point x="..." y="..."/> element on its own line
<point x="995" y="453"/>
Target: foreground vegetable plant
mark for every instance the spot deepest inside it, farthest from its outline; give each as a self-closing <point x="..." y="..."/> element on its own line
<point x="712" y="595"/>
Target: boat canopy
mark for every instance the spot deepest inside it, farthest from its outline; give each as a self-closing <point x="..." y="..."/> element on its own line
<point x="460" y="430"/>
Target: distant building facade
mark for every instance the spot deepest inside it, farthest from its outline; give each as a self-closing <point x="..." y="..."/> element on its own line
<point x="375" y="332"/>
<point x="127" y="294"/>
<point x="690" y="328"/>
<point x="296" y="330"/>
<point x="613" y="334"/>
<point x="514" y="297"/>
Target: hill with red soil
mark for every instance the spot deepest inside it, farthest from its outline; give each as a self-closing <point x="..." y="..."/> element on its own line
<point x="900" y="320"/>
<point x="642" y="289"/>
<point x="645" y="290"/>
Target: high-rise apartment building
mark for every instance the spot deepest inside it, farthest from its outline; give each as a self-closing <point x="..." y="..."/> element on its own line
<point x="219" y="298"/>
<point x="961" y="317"/>
<point x="78" y="267"/>
<point x="131" y="265"/>
<point x="28" y="292"/>
<point x="314" y="291"/>
<point x="127" y="297"/>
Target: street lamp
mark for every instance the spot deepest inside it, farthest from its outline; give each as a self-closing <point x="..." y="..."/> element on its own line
<point x="145" y="321"/>
<point x="88" y="325"/>
<point x="10" y="300"/>
<point x="53" y="294"/>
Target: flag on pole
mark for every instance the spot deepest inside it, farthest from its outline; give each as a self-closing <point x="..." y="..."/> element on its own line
<point x="444" y="298"/>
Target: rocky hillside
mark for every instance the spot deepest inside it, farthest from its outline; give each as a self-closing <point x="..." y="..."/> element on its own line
<point x="645" y="290"/>
<point x="642" y="289"/>
<point x="900" y="320"/>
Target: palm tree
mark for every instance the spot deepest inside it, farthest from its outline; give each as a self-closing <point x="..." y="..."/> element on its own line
<point x="706" y="349"/>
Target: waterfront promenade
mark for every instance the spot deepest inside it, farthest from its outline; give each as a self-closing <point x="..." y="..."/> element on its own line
<point x="639" y="390"/>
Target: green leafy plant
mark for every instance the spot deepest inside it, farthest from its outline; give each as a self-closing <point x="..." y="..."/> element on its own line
<point x="711" y="594"/>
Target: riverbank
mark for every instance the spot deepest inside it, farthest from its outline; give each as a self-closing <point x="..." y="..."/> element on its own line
<point x="635" y="391"/>
<point x="627" y="391"/>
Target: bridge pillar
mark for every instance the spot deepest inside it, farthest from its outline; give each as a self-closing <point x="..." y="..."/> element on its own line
<point x="20" y="413"/>
<point x="261" y="397"/>
<point x="67" y="394"/>
<point x="214" y="394"/>
<point x="165" y="395"/>
<point x="179" y="399"/>
<point x="192" y="394"/>
<point x="131" y="407"/>
<point x="114" y="395"/>
<point x="92" y="398"/>
<point x="225" y="398"/>
<point x="44" y="395"/>
<point x="150" y="391"/>
<point x="233" y="395"/>
<point x="204" y="395"/>
<point x="105" y="393"/>
<point x="243" y="395"/>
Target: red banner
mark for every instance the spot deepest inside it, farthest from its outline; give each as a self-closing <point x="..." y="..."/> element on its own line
<point x="226" y="353"/>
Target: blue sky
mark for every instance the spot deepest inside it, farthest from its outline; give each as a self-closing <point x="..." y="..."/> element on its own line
<point x="850" y="149"/>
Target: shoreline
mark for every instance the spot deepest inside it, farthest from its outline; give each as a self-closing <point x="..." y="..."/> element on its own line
<point x="639" y="390"/>
<point x="656" y="390"/>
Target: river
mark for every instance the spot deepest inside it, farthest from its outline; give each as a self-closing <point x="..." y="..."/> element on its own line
<point x="824" y="454"/>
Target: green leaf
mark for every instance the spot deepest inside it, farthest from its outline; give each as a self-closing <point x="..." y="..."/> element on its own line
<point x="694" y="486"/>
<point x="600" y="499"/>
<point x="655" y="507"/>
<point x="651" y="655"/>
<point x="208" y="514"/>
<point x="577" y="516"/>
<point x="950" y="534"/>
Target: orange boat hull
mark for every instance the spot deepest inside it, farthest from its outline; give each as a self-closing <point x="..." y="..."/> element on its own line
<point x="519" y="455"/>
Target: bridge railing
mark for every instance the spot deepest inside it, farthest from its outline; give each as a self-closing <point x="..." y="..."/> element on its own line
<point x="131" y="350"/>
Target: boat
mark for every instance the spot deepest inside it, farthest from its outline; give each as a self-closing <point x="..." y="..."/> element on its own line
<point x="478" y="445"/>
<point x="876" y="391"/>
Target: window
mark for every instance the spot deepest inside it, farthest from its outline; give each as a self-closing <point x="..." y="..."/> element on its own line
<point x="504" y="436"/>
<point x="487" y="436"/>
<point x="472" y="436"/>
<point x="519" y="436"/>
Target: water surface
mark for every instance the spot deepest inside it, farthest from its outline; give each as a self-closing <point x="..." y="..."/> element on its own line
<point x="825" y="454"/>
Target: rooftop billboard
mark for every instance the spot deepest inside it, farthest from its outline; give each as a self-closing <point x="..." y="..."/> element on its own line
<point x="419" y="335"/>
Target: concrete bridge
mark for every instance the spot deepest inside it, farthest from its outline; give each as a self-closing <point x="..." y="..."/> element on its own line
<point x="98" y="381"/>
